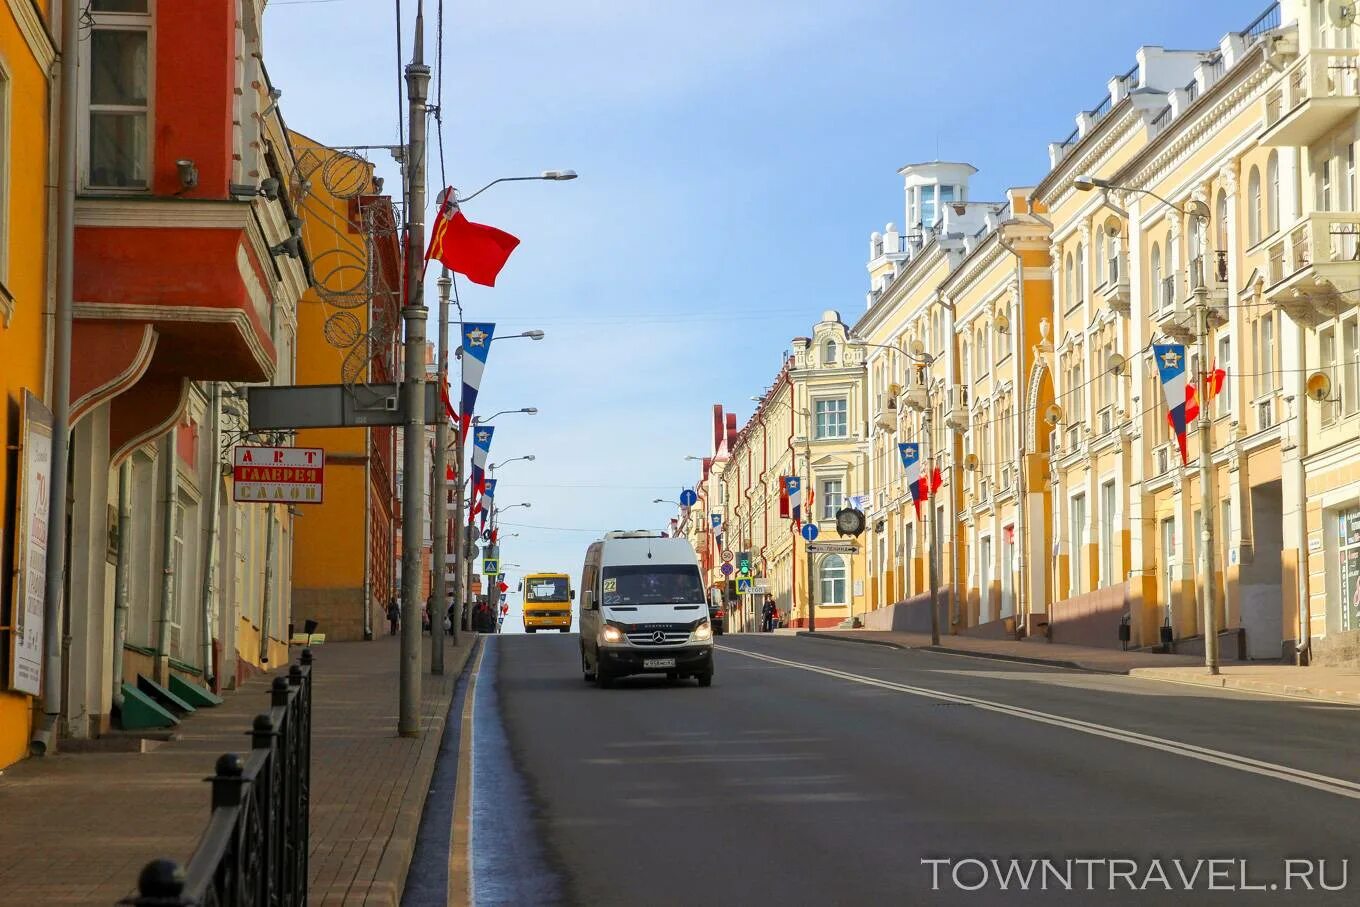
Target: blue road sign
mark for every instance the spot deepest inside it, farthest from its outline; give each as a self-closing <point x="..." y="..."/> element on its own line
<point x="744" y="585"/>
<point x="727" y="569"/>
<point x="810" y="531"/>
<point x="688" y="498"/>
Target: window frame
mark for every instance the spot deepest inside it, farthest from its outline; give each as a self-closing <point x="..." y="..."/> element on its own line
<point x="1254" y="235"/>
<point x="824" y="577"/>
<point x="117" y="21"/>
<point x="1076" y="532"/>
<point x="817" y="414"/>
<point x="827" y="512"/>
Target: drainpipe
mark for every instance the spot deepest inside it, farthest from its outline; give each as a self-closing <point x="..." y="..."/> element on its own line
<point x="268" y="585"/>
<point x="162" y="667"/>
<point x="209" y="593"/>
<point x="368" y="536"/>
<point x="120" y="574"/>
<point x="1021" y="480"/>
<point x="60" y="396"/>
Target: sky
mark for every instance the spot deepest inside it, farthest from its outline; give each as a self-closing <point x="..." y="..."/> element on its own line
<point x="734" y="156"/>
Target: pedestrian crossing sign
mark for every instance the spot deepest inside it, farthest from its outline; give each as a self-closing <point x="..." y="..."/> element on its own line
<point x="744" y="585"/>
<point x="491" y="566"/>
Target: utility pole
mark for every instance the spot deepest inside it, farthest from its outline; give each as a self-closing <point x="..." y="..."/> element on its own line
<point x="1207" y="500"/>
<point x="469" y="552"/>
<point x="439" y="496"/>
<point x="931" y="532"/>
<point x="414" y="315"/>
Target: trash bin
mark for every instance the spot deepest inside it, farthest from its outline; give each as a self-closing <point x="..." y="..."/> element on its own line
<point x="309" y="627"/>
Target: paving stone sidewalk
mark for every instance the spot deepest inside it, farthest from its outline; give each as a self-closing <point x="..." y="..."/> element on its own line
<point x="1329" y="684"/>
<point x="77" y="828"/>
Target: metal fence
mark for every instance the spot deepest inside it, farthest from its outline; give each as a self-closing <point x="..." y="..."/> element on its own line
<point x="254" y="851"/>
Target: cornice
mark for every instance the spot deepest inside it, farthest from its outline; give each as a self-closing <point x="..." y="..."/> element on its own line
<point x="906" y="280"/>
<point x="35" y="33"/>
<point x="972" y="268"/>
<point x="1235" y="91"/>
<point x="1115" y="128"/>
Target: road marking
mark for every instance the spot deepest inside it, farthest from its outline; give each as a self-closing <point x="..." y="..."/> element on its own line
<point x="1324" y="783"/>
<point x="460" y="838"/>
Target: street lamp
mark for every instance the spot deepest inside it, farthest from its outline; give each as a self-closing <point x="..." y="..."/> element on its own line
<point x="529" y="457"/>
<point x="528" y="411"/>
<point x="1199" y="212"/>
<point x="693" y="457"/>
<point x="549" y="175"/>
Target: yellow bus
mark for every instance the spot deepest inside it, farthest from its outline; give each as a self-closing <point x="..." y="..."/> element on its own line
<point x="547" y="602"/>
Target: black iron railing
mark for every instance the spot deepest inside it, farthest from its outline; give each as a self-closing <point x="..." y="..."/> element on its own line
<point x="254" y="851"/>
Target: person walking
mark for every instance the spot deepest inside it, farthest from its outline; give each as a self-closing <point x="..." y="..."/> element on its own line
<point x="394" y="616"/>
<point x="767" y="615"/>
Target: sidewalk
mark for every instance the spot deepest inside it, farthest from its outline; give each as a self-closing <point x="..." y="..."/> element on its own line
<point x="78" y="828"/>
<point x="1328" y="684"/>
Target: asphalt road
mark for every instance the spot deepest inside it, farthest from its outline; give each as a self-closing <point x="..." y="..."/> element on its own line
<point x="818" y="772"/>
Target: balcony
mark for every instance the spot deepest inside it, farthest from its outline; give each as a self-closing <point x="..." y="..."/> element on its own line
<point x="1319" y="92"/>
<point x="885" y="414"/>
<point x="1114" y="292"/>
<point x="1309" y="264"/>
<point x="1210" y="274"/>
<point x="1173" y="315"/>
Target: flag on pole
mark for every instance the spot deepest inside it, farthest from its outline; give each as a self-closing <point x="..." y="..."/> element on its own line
<point x="911" y="464"/>
<point x="476" y="345"/>
<point x="444" y="395"/>
<point x="476" y="251"/>
<point x="793" y="487"/>
<point x="481" y="446"/>
<point x="487" y="501"/>
<point x="1170" y="358"/>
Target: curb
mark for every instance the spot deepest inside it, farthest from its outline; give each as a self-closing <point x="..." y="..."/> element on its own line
<point x="855" y="639"/>
<point x="1339" y="697"/>
<point x="389" y="880"/>
<point x="1021" y="659"/>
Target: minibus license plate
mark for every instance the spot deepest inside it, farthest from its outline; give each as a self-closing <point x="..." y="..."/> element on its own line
<point x="658" y="662"/>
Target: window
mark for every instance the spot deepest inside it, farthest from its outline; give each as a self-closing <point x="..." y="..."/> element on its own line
<point x="1109" y="533"/>
<point x="1168" y="539"/>
<point x="831" y="418"/>
<point x="1273" y="192"/>
<point x="928" y="206"/>
<point x="1265" y="354"/>
<point x="1324" y="184"/>
<point x="1223" y="405"/>
<point x="1078" y="546"/>
<point x="1007" y="567"/>
<point x="981" y="347"/>
<point x="1350" y="367"/>
<point x="833" y="580"/>
<point x="1078" y="413"/>
<point x="1348" y="187"/>
<point x="984" y="567"/>
<point x="1327" y="361"/>
<point x="833" y="498"/>
<point x="967" y="366"/>
<point x="1254" y="207"/>
<point x="1081" y="274"/>
<point x="1069" y="283"/>
<point x="1156" y="267"/>
<point x="946" y="196"/>
<point x="1100" y="257"/>
<point x="1221" y="222"/>
<point x="117" y="95"/>
<point x="829" y="353"/>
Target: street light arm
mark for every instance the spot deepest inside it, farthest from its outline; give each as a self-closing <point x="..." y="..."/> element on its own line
<point x="551" y="175"/>
<point x="1194" y="209"/>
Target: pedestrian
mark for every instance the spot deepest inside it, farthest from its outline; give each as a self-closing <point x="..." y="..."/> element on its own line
<point x="394" y="615"/>
<point x="767" y="613"/>
<point x="425" y="618"/>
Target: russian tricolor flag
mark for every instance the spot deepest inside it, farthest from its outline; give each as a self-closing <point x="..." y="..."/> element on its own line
<point x="476" y="344"/>
<point x="911" y="465"/>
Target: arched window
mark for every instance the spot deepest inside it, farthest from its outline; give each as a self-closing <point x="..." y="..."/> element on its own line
<point x="966" y="363"/>
<point x="1156" y="266"/>
<point x="981" y="347"/>
<point x="829" y="353"/>
<point x="1100" y="258"/>
<point x="1221" y="222"/>
<point x="833" y="580"/>
<point x="1081" y="274"/>
<point x="1272" y="193"/>
<point x="1254" y="207"/>
<point x="1069" y="284"/>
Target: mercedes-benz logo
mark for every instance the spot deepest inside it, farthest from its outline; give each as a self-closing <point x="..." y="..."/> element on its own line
<point x="658" y="637"/>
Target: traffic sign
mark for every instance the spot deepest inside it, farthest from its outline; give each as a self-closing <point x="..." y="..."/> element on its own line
<point x="727" y="569"/>
<point x="727" y="557"/>
<point x="810" y="531"/>
<point x="688" y="498"/>
<point x="832" y="548"/>
<point x="744" y="563"/>
<point x="744" y="585"/>
<point x="491" y="566"/>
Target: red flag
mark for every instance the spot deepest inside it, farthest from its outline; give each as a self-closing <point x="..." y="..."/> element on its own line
<point x="444" y="395"/>
<point x="936" y="480"/>
<point x="475" y="250"/>
<point x="449" y="475"/>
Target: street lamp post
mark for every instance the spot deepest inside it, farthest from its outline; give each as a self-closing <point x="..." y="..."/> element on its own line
<point x="439" y="498"/>
<point x="1198" y="212"/>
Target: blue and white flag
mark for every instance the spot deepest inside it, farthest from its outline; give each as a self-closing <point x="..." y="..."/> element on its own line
<point x="1170" y="359"/>
<point x="481" y="447"/>
<point x="793" y="489"/>
<point x="476" y="345"/>
<point x="488" y="500"/>
<point x="716" y="520"/>
<point x="911" y="464"/>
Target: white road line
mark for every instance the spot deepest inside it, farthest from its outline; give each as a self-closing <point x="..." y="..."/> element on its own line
<point x="1338" y="786"/>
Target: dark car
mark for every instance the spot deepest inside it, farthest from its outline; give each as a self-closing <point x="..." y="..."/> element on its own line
<point x="717" y="617"/>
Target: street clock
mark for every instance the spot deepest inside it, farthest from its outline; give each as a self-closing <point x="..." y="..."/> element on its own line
<point x="849" y="521"/>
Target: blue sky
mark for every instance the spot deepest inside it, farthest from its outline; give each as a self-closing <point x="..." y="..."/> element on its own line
<point x="734" y="157"/>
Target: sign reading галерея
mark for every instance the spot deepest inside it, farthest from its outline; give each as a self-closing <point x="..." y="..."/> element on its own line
<point x="278" y="475"/>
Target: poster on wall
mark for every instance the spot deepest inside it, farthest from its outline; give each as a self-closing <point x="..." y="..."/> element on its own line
<point x="30" y="545"/>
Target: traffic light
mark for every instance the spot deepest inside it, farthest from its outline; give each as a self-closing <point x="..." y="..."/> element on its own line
<point x="744" y="563"/>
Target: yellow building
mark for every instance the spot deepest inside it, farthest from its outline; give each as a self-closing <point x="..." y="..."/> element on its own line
<point x="26" y="58"/>
<point x="343" y="574"/>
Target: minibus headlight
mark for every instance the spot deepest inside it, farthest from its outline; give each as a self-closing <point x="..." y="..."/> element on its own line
<point x="612" y="634"/>
<point x="702" y="633"/>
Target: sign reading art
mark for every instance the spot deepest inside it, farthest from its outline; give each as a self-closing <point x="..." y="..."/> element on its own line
<point x="30" y="587"/>
<point x="278" y="475"/>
